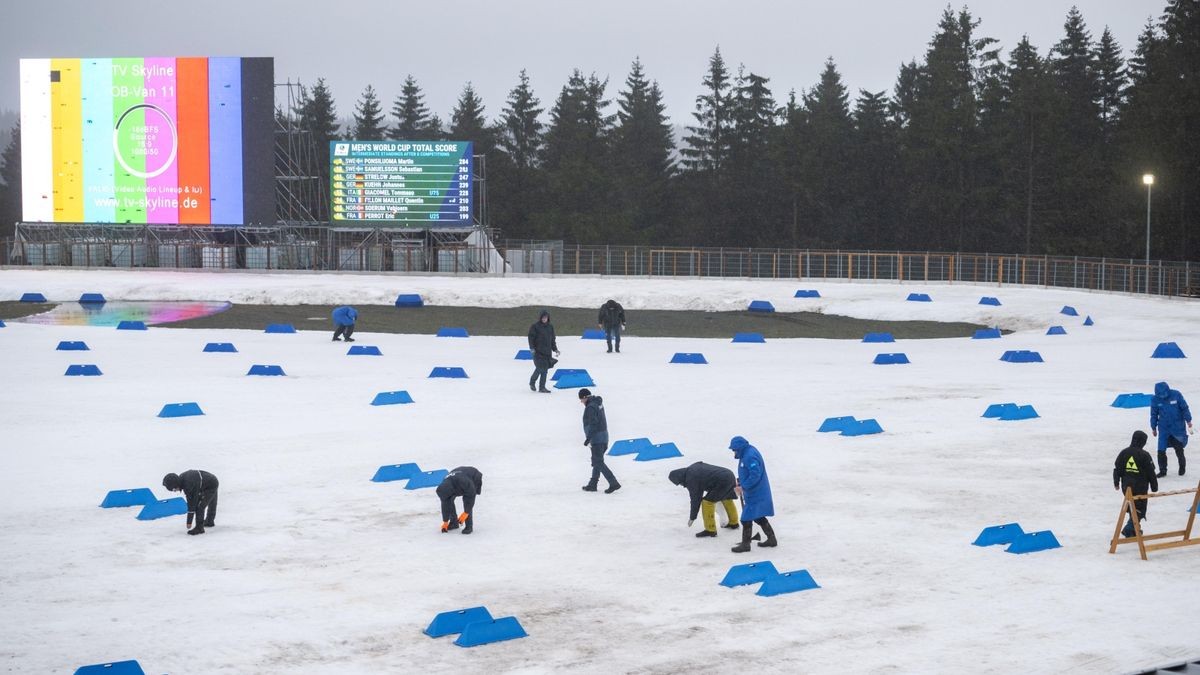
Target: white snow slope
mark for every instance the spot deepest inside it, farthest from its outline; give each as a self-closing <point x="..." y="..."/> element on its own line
<point x="313" y="568"/>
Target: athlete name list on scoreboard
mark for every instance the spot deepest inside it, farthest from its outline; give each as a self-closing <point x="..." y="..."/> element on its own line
<point x="409" y="182"/>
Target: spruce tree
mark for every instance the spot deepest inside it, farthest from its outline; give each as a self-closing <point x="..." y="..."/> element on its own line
<point x="10" y="183"/>
<point x="468" y="124"/>
<point x="576" y="161"/>
<point x="368" y="117"/>
<point x="1110" y="72"/>
<point x="642" y="146"/>
<point x="412" y="117"/>
<point x="516" y="184"/>
<point x="707" y="147"/>
<point x="521" y="130"/>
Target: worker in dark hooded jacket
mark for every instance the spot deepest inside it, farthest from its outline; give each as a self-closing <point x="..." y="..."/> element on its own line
<point x="754" y="487"/>
<point x="200" y="490"/>
<point x="595" y="436"/>
<point x="465" y="482"/>
<point x="1169" y="413"/>
<point x="1135" y="470"/>
<point x="706" y="485"/>
<point x="542" y="344"/>
<point x="612" y="320"/>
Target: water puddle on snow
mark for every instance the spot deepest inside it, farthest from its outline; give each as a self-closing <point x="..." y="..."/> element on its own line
<point x="113" y="313"/>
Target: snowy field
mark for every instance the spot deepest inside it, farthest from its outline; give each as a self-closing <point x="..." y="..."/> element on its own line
<point x="312" y="568"/>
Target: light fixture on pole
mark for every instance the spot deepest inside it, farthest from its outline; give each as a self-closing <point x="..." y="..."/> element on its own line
<point x="1148" y="181"/>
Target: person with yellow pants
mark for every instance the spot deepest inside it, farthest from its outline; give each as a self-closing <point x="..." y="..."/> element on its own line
<point x="706" y="485"/>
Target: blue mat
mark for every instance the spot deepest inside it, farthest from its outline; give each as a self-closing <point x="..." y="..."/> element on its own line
<point x="426" y="479"/>
<point x="1031" y="542"/>
<point x="92" y="299"/>
<point x="836" y="423"/>
<point x="787" y="582"/>
<point x="1021" y="412"/>
<point x="449" y="623"/>
<point x="593" y="334"/>
<point x="750" y="573"/>
<point x="1068" y="310"/>
<point x="878" y="337"/>
<point x="485" y="632"/>
<point x="988" y="300"/>
<point x="364" y="350"/>
<point x="280" y="328"/>
<point x="175" y="506"/>
<point x="998" y="534"/>
<point x="660" y="451"/>
<point x="83" y="369"/>
<point x="1132" y="401"/>
<point x="523" y="355"/>
<point x="180" y="410"/>
<point x="1088" y="321"/>
<point x="260" y="369"/>
<point x="2" y="324"/>
<point x="131" y="325"/>
<point x="392" y="398"/>
<point x="452" y="332"/>
<point x="75" y="346"/>
<point x="574" y="381"/>
<point x="748" y="337"/>
<point x="114" y="668"/>
<point x="919" y="297"/>
<point x="862" y="428"/>
<point x="391" y="472"/>
<point x="760" y="306"/>
<point x="1056" y="330"/>
<point x="1021" y="356"/>
<point x="629" y="446"/>
<point x="683" y="357"/>
<point x="32" y="297"/>
<point x="1168" y="350"/>
<point x="890" y="359"/>
<point x="409" y="300"/>
<point x="563" y="372"/>
<point x="986" y="334"/>
<point x="807" y="294"/>
<point x="133" y="497"/>
<point x="220" y="347"/>
<point x="451" y="371"/>
<point x="998" y="409"/>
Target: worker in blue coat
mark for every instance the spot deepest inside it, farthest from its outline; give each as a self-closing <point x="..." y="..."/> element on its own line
<point x="755" y="490"/>
<point x="1168" y="415"/>
<point x="343" y="322"/>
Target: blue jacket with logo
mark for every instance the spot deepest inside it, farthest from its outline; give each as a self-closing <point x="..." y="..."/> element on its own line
<point x="1169" y="414"/>
<point x="752" y="476"/>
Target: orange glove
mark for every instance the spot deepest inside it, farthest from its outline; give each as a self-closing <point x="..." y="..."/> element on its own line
<point x="445" y="526"/>
<point x="463" y="518"/>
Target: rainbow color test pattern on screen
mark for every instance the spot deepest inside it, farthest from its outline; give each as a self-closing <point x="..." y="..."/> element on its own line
<point x="137" y="140"/>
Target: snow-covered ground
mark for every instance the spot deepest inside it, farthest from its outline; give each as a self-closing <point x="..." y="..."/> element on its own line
<point x="313" y="568"/>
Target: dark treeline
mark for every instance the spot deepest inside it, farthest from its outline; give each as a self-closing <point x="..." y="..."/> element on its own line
<point x="1040" y="150"/>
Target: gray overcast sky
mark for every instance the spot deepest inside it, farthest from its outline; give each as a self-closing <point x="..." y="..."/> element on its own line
<point x="444" y="44"/>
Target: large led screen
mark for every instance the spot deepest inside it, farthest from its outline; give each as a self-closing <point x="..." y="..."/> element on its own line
<point x="147" y="140"/>
<point x="401" y="183"/>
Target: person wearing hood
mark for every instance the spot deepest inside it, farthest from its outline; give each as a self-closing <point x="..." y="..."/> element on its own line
<point x="595" y="436"/>
<point x="200" y="490"/>
<point x="343" y="322"/>
<point x="1168" y="415"/>
<point x="1135" y="470"/>
<point x="465" y="482"/>
<point x="753" y="487"/>
<point x="706" y="485"/>
<point x="542" y="344"/>
<point x="612" y="320"/>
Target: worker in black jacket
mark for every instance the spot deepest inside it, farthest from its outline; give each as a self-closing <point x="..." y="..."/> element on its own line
<point x="200" y="490"/>
<point x="706" y="485"/>
<point x="595" y="436"/>
<point x="465" y="482"/>
<point x="1135" y="470"/>
<point x="541" y="344"/>
<point x="612" y="320"/>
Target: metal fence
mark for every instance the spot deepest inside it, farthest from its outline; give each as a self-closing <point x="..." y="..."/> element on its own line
<point x="390" y="250"/>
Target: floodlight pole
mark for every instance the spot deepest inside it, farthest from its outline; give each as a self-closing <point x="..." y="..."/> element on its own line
<point x="1148" y="180"/>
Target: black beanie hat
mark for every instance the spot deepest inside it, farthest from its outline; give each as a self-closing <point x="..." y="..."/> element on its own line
<point x="584" y="393"/>
<point x="171" y="482"/>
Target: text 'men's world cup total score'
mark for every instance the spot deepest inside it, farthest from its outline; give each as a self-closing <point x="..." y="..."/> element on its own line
<point x="409" y="183"/>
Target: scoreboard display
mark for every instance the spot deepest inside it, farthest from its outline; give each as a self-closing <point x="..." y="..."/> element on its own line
<point x="404" y="183"/>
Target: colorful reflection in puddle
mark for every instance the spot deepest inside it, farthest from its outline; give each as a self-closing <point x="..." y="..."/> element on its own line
<point x="113" y="313"/>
